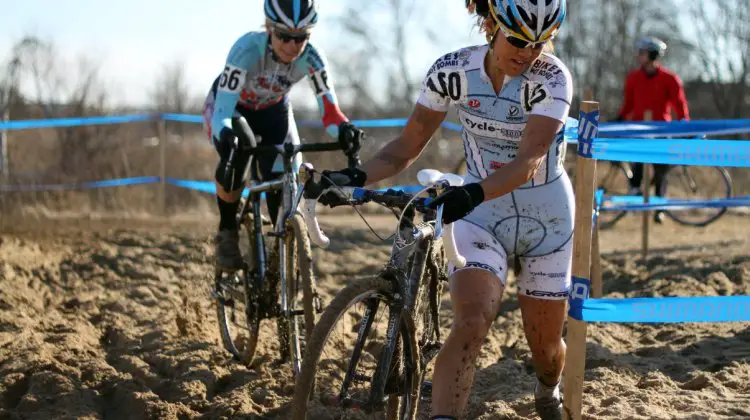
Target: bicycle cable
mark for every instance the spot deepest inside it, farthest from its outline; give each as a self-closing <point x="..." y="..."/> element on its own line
<point x="400" y="218"/>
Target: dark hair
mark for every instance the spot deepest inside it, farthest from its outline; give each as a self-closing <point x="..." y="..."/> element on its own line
<point x="482" y="8"/>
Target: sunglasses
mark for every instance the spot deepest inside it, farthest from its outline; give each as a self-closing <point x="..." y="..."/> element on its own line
<point x="519" y="42"/>
<point x="522" y="43"/>
<point x="286" y="37"/>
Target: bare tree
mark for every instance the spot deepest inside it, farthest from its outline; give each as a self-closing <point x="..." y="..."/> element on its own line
<point x="378" y="52"/>
<point x="597" y="42"/>
<point x="57" y="88"/>
<point x="723" y="52"/>
<point x="171" y="92"/>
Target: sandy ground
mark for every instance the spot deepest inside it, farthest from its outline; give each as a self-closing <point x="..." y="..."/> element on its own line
<point x="112" y="319"/>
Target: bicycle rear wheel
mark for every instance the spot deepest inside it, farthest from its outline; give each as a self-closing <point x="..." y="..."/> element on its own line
<point x="343" y="354"/>
<point x="614" y="179"/>
<point x="236" y="308"/>
<point x="697" y="183"/>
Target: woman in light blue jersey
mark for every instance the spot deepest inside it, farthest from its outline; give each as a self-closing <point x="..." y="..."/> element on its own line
<point x="512" y="98"/>
<point x="260" y="70"/>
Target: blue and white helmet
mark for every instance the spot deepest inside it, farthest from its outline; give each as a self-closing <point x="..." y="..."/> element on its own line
<point x="531" y="20"/>
<point x="293" y="14"/>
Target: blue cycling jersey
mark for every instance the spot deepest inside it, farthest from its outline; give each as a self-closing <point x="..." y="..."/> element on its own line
<point x="255" y="79"/>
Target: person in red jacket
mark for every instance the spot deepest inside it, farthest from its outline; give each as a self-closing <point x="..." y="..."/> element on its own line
<point x="652" y="93"/>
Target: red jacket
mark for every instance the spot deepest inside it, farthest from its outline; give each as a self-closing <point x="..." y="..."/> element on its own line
<point x="658" y="93"/>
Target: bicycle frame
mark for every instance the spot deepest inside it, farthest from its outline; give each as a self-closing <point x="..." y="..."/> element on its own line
<point x="291" y="197"/>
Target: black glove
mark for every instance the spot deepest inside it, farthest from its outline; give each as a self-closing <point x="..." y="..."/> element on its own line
<point x="459" y="201"/>
<point x="350" y="137"/>
<point x="349" y="177"/>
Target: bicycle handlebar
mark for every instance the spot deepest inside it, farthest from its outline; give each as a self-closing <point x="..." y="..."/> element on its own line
<point x="390" y="199"/>
<point x="241" y="137"/>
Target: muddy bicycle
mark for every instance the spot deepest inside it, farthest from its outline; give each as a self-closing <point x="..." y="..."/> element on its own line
<point x="277" y="280"/>
<point x="377" y="370"/>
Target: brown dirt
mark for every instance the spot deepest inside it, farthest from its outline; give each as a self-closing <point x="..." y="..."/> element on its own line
<point x="112" y="319"/>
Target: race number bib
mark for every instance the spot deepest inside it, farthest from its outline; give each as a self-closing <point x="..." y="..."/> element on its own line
<point x="232" y="79"/>
<point x="533" y="93"/>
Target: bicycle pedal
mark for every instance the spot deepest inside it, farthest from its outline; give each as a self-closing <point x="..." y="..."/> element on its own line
<point x="425" y="390"/>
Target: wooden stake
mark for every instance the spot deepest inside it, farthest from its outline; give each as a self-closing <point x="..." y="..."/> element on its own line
<point x="575" y="360"/>
<point x="597" y="288"/>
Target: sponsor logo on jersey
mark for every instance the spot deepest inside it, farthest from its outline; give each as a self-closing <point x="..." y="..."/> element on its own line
<point x="550" y="275"/>
<point x="543" y="293"/>
<point x="474" y="103"/>
<point x="276" y="84"/>
<point x="514" y="114"/>
<point x="248" y="95"/>
<point x="489" y="128"/>
<point x="495" y="165"/>
<point x="549" y="72"/>
<point x="504" y="147"/>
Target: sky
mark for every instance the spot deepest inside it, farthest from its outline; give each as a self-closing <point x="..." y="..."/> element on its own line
<point x="134" y="39"/>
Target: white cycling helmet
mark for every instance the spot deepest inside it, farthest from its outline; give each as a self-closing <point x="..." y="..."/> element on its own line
<point x="655" y="46"/>
<point x="533" y="21"/>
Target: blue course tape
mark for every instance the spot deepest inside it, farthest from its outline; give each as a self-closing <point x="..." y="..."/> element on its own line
<point x="83" y="185"/>
<point x="681" y="205"/>
<point x="675" y="128"/>
<point x="666" y="309"/>
<point x="674" y="151"/>
<point x="75" y="122"/>
<point x="202" y="186"/>
<point x="182" y="118"/>
<point x="621" y="129"/>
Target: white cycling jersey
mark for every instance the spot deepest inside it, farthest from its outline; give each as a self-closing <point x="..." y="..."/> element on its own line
<point x="534" y="222"/>
<point x="493" y="124"/>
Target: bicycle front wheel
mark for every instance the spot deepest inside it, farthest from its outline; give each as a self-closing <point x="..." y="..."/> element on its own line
<point x="296" y="325"/>
<point x="343" y="358"/>
<point x="697" y="183"/>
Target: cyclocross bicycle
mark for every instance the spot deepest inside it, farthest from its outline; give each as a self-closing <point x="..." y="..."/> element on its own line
<point x="681" y="182"/>
<point x="280" y="283"/>
<point x="352" y="361"/>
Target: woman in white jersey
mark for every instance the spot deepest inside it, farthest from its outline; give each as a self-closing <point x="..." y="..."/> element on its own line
<point x="512" y="100"/>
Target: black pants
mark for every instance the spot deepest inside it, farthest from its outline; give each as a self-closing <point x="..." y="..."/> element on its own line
<point x="272" y="126"/>
<point x="659" y="175"/>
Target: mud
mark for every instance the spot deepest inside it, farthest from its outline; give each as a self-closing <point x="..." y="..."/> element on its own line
<point x="112" y="319"/>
